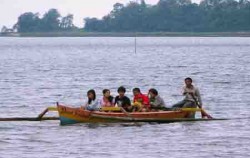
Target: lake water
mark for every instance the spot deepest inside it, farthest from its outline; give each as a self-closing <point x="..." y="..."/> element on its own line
<point x="37" y="72"/>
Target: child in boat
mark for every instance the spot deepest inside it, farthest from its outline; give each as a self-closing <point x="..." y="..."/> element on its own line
<point x="156" y="102"/>
<point x="140" y="101"/>
<point x="107" y="100"/>
<point x="123" y="101"/>
<point x="93" y="104"/>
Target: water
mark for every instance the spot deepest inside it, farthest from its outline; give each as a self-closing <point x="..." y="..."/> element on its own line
<point x="38" y="72"/>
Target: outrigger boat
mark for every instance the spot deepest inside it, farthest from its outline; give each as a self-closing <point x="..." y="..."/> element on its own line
<point x="69" y="115"/>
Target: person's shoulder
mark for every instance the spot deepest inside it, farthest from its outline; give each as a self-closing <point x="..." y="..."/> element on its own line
<point x="99" y="99"/>
<point x="126" y="97"/>
<point x="184" y="88"/>
<point x="143" y="95"/>
<point x="195" y="87"/>
<point x="116" y="97"/>
<point x="159" y="97"/>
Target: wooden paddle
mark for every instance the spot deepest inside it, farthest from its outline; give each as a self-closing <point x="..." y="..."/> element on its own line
<point x="203" y="112"/>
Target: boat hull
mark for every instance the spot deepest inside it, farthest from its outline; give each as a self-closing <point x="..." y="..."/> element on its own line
<point x="69" y="115"/>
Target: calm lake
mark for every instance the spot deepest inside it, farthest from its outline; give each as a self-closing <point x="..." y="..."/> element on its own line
<point x="38" y="72"/>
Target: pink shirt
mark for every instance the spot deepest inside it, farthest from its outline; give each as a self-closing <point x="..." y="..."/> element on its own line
<point x="106" y="103"/>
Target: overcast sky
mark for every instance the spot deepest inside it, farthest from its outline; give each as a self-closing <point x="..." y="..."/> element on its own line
<point x="11" y="9"/>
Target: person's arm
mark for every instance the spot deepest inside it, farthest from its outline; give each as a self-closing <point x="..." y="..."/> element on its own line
<point x="116" y="98"/>
<point x="113" y="101"/>
<point x="128" y="102"/>
<point x="159" y="102"/>
<point x="197" y="93"/>
<point x="84" y="105"/>
<point x="145" y="100"/>
<point x="101" y="102"/>
<point x="155" y="103"/>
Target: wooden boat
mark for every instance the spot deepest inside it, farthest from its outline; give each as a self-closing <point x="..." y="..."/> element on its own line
<point x="69" y="115"/>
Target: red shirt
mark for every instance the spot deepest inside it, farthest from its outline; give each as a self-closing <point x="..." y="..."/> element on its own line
<point x="142" y="99"/>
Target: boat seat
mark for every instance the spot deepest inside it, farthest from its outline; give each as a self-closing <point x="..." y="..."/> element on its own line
<point x="111" y="109"/>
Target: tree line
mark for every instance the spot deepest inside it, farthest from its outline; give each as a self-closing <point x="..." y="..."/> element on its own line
<point x="165" y="16"/>
<point x="51" y="21"/>
<point x="175" y="16"/>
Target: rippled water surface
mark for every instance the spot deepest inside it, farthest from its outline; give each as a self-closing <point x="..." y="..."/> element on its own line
<point x="37" y="72"/>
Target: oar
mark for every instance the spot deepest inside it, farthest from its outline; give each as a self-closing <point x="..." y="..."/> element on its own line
<point x="203" y="112"/>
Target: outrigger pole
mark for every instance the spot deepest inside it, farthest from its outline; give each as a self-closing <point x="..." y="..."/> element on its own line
<point x="28" y="119"/>
<point x="38" y="118"/>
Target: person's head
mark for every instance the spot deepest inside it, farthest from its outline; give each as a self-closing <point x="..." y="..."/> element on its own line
<point x="153" y="92"/>
<point x="188" y="81"/>
<point x="106" y="93"/>
<point x="136" y="91"/>
<point x="91" y="95"/>
<point x="121" y="91"/>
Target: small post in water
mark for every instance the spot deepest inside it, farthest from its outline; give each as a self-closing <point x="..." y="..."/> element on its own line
<point x="135" y="44"/>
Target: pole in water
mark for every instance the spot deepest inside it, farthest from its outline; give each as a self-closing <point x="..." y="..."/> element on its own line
<point x="135" y="44"/>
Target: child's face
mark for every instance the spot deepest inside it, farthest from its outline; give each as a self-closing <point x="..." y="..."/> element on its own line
<point x="151" y="94"/>
<point x="135" y="93"/>
<point x="121" y="93"/>
<point x="107" y="94"/>
<point x="90" y="95"/>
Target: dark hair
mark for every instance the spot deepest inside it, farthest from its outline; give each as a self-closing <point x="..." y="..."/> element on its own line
<point x="188" y="78"/>
<point x="110" y="98"/>
<point x="93" y="92"/>
<point x="105" y="90"/>
<point x="154" y="91"/>
<point x="121" y="89"/>
<point x="137" y="90"/>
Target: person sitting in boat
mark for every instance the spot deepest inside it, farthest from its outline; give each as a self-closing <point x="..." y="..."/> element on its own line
<point x="192" y="96"/>
<point x="156" y="102"/>
<point x="121" y="100"/>
<point x="140" y="101"/>
<point x="92" y="104"/>
<point x="107" y="100"/>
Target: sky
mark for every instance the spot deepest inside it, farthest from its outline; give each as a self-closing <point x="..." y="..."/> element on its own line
<point x="11" y="9"/>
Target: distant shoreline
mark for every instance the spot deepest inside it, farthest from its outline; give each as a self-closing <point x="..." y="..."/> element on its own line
<point x="128" y="34"/>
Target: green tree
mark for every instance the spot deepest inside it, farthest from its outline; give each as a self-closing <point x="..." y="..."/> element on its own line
<point x="93" y="24"/>
<point x="28" y="22"/>
<point x="51" y="21"/>
<point x="67" y="22"/>
<point x="4" y="29"/>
